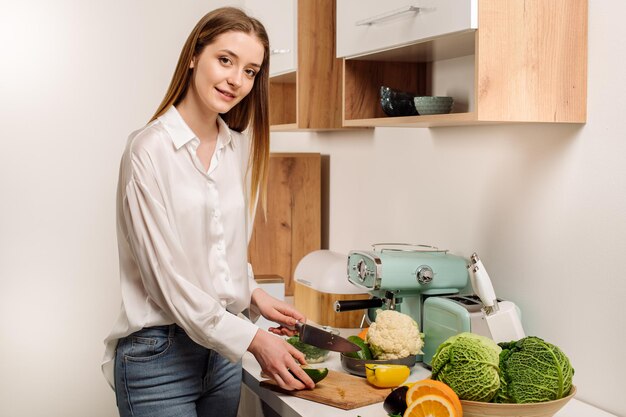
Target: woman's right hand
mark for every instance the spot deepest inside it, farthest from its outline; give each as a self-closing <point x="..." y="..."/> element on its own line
<point x="277" y="357"/>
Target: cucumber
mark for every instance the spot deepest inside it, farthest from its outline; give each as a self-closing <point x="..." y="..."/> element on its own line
<point x="364" y="353"/>
<point x="316" y="374"/>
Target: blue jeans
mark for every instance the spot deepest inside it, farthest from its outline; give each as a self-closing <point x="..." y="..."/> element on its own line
<point x="161" y="372"/>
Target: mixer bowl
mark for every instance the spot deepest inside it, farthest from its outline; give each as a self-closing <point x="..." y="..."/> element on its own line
<point x="357" y="366"/>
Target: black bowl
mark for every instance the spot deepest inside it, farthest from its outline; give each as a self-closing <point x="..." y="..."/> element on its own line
<point x="396" y="102"/>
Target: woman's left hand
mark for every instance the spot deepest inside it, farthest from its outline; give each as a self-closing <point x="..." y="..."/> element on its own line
<point x="277" y="311"/>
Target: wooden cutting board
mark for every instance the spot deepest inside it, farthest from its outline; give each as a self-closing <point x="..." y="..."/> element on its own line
<point x="339" y="390"/>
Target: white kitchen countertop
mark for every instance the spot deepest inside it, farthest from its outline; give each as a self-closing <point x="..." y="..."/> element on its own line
<point x="289" y="406"/>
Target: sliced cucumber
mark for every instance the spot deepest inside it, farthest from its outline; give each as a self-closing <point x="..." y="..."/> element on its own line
<point x="316" y="374"/>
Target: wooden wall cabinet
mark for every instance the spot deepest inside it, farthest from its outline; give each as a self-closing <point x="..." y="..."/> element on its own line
<point x="292" y="227"/>
<point x="526" y="62"/>
<point x="310" y="97"/>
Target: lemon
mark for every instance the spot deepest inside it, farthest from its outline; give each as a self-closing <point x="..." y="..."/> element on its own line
<point x="386" y="376"/>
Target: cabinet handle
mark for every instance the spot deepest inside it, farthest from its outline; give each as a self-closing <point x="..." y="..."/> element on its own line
<point x="373" y="20"/>
<point x="279" y="51"/>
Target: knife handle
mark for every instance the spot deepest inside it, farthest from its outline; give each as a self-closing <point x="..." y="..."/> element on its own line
<point x="350" y="305"/>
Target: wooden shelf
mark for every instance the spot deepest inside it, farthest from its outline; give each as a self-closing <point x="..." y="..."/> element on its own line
<point x="452" y="119"/>
<point x="287" y="127"/>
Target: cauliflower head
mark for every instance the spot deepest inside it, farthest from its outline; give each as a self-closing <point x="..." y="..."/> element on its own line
<point x="394" y="335"/>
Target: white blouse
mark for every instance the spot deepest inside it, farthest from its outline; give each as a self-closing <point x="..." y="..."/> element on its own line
<point x="183" y="234"/>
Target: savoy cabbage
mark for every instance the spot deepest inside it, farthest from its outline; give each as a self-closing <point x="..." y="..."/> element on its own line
<point x="532" y="370"/>
<point x="468" y="363"/>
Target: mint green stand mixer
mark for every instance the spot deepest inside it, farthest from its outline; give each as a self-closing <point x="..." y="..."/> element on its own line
<point x="433" y="287"/>
<point x="402" y="276"/>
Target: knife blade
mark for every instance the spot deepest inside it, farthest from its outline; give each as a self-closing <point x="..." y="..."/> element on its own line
<point x="323" y="339"/>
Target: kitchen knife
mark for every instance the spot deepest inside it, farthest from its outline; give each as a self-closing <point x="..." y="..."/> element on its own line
<point x="323" y="339"/>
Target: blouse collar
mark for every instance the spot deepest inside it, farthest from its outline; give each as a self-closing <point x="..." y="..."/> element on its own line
<point x="181" y="133"/>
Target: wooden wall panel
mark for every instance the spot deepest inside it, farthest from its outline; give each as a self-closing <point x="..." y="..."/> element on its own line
<point x="293" y="224"/>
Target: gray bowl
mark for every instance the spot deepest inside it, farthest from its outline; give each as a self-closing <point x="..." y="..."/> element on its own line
<point x="433" y="104"/>
<point x="357" y="366"/>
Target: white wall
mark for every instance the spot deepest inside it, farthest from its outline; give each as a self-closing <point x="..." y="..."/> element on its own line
<point x="76" y="77"/>
<point x="543" y="205"/>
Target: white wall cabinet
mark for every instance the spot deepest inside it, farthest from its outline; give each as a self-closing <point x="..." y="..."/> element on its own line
<point x="366" y="26"/>
<point x="279" y="18"/>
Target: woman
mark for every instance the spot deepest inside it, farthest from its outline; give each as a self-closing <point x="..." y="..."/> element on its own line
<point x="188" y="185"/>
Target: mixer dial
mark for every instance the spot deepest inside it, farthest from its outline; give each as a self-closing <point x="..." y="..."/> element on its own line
<point x="361" y="269"/>
<point x="424" y="274"/>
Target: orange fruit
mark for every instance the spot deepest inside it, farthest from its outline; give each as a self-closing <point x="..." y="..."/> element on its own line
<point x="431" y="405"/>
<point x="363" y="333"/>
<point x="434" y="387"/>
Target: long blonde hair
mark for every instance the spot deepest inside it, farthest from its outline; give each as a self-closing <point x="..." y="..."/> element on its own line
<point x="252" y="111"/>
